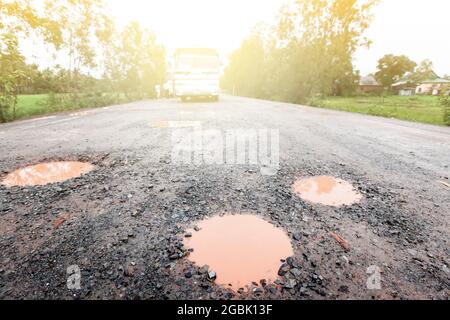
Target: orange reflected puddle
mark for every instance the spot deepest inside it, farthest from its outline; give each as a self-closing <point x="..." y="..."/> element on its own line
<point x="45" y="173"/>
<point x="327" y="190"/>
<point x="241" y="249"/>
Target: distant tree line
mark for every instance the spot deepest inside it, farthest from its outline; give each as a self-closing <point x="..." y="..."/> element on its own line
<point x="131" y="61"/>
<point x="308" y="53"/>
<point x="392" y="68"/>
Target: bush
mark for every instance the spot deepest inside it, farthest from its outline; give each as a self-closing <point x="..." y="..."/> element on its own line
<point x="445" y="101"/>
<point x="79" y="100"/>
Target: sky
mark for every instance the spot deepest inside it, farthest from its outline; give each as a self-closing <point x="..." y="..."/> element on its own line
<point x="221" y="24"/>
<point x="416" y="28"/>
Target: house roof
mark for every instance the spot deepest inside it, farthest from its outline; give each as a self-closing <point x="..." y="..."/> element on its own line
<point x="368" y="81"/>
<point x="403" y="83"/>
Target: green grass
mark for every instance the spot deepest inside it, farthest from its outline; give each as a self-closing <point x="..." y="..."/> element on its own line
<point x="425" y="109"/>
<point x="41" y="104"/>
<point x="31" y="105"/>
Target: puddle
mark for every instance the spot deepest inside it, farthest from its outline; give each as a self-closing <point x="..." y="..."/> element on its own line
<point x="175" y="124"/>
<point x="240" y="249"/>
<point x="45" y="173"/>
<point x="327" y="190"/>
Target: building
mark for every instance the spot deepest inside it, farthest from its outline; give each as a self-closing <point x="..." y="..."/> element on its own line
<point x="370" y="85"/>
<point x="433" y="87"/>
<point x="404" y="88"/>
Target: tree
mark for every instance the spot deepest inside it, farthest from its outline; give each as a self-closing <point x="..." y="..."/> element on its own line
<point x="12" y="65"/>
<point x="310" y="53"/>
<point x="424" y="71"/>
<point x="245" y="72"/>
<point x="392" y="68"/>
<point x="135" y="63"/>
<point x="18" y="18"/>
<point x="84" y="28"/>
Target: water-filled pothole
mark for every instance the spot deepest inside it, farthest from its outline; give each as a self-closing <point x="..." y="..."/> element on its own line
<point x="46" y="173"/>
<point x="240" y="249"/>
<point x="327" y="190"/>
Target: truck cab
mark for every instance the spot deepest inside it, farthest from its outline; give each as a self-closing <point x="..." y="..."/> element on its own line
<point x="196" y="73"/>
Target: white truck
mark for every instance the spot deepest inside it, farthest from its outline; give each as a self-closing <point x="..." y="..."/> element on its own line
<point x="196" y="73"/>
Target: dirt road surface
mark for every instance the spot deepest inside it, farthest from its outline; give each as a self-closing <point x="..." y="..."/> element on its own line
<point x="122" y="225"/>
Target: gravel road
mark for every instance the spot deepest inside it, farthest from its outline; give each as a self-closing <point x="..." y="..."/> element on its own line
<point x="125" y="221"/>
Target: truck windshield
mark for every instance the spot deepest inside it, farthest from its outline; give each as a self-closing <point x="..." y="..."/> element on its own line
<point x="193" y="63"/>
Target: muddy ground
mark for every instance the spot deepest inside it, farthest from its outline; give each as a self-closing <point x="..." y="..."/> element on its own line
<point x="123" y="223"/>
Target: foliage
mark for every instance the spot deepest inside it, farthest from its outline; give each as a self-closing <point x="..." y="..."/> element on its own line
<point x="132" y="60"/>
<point x="135" y="63"/>
<point x="310" y="54"/>
<point x="245" y="72"/>
<point x="445" y="102"/>
<point x="393" y="68"/>
<point x="424" y="71"/>
<point x="84" y="27"/>
<point x="11" y="72"/>
<point x="426" y="109"/>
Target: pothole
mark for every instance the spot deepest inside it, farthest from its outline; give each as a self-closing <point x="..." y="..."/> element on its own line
<point x="240" y="249"/>
<point x="46" y="173"/>
<point x="327" y="191"/>
<point x="174" y="124"/>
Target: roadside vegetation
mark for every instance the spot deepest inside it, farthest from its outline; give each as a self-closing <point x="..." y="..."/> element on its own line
<point x="30" y="105"/>
<point x="445" y="101"/>
<point x="308" y="52"/>
<point x="306" y="57"/>
<point x="425" y="109"/>
<point x="102" y="64"/>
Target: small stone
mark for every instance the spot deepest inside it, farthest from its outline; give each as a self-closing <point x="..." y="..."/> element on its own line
<point x="292" y="263"/>
<point x="129" y="271"/>
<point x="263" y="283"/>
<point x="283" y="269"/>
<point x="343" y="289"/>
<point x="273" y="290"/>
<point x="212" y="276"/>
<point x="295" y="272"/>
<point x="279" y="282"/>
<point x="290" y="284"/>
<point x="297" y="237"/>
<point x="203" y="269"/>
<point x="188" y="235"/>
<point x="188" y="274"/>
<point x="257" y="291"/>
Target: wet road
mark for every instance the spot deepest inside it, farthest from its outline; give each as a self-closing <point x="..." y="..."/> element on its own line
<point x="375" y="144"/>
<point x="402" y="223"/>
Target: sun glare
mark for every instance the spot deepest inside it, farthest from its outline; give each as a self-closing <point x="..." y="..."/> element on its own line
<point x="206" y="23"/>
